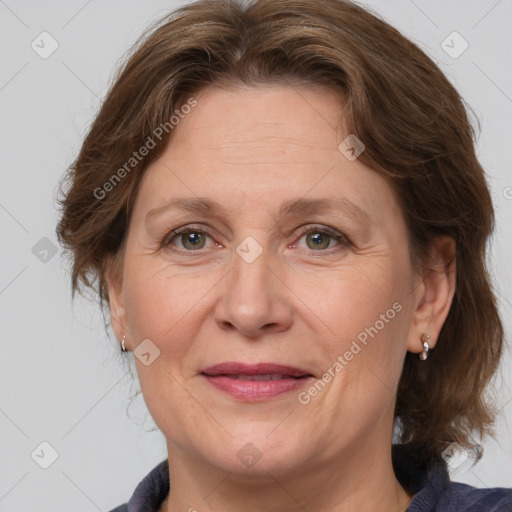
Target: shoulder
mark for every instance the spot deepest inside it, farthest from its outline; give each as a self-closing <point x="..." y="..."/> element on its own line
<point x="121" y="508"/>
<point x="464" y="498"/>
<point x="150" y="492"/>
<point x="433" y="491"/>
<point x="440" y="494"/>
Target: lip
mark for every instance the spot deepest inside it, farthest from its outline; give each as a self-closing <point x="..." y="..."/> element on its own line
<point x="235" y="368"/>
<point x="228" y="377"/>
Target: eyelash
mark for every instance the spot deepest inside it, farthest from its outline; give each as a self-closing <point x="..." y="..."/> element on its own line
<point x="343" y="241"/>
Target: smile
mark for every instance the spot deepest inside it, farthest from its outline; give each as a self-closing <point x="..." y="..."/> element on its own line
<point x="258" y="382"/>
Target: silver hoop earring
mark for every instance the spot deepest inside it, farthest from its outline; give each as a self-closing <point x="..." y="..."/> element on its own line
<point x="123" y="346"/>
<point x="426" y="348"/>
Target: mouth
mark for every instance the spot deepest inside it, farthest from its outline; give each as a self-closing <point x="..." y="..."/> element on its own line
<point x="256" y="382"/>
<point x="261" y="378"/>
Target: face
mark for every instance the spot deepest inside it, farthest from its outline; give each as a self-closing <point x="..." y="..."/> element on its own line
<point x="254" y="241"/>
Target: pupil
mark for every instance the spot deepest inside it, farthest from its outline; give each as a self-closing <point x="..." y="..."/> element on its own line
<point x="319" y="240"/>
<point x="192" y="240"/>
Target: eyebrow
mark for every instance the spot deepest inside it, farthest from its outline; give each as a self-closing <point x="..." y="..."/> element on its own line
<point x="312" y="206"/>
<point x="200" y="205"/>
<point x="193" y="205"/>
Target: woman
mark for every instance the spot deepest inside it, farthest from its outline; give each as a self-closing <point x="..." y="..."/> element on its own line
<point x="281" y="205"/>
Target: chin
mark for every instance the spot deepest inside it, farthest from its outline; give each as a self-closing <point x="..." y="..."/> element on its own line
<point x="258" y="454"/>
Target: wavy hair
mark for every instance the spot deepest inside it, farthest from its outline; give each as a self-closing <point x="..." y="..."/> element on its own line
<point x="417" y="133"/>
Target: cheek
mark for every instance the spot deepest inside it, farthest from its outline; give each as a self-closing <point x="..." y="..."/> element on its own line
<point x="158" y="298"/>
<point x="364" y="311"/>
<point x="169" y="308"/>
<point x="350" y="299"/>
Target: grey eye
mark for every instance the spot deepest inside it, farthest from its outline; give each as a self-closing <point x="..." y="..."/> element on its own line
<point x="318" y="240"/>
<point x="193" y="240"/>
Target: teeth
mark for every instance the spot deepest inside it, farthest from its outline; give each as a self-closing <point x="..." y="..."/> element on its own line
<point x="269" y="376"/>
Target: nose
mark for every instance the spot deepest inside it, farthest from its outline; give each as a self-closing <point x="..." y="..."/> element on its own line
<point x="255" y="301"/>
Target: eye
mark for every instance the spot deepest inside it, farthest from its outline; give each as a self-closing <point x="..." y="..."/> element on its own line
<point x="322" y="238"/>
<point x="192" y="240"/>
<point x="187" y="239"/>
<point x="318" y="240"/>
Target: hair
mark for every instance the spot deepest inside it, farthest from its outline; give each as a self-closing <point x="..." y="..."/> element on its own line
<point x="417" y="134"/>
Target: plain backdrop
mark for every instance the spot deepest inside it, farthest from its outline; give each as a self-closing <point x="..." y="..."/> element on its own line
<point x="63" y="380"/>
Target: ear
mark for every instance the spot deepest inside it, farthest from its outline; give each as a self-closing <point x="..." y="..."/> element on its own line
<point x="434" y="294"/>
<point x="114" y="280"/>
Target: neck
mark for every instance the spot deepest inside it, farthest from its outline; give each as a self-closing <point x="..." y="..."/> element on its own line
<point x="362" y="480"/>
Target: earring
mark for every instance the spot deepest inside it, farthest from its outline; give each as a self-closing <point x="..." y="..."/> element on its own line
<point x="123" y="346"/>
<point x="424" y="337"/>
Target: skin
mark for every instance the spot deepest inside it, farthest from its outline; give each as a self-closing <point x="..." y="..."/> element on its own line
<point x="251" y="150"/>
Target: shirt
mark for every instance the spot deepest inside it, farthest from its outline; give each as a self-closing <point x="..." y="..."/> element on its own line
<point x="430" y="483"/>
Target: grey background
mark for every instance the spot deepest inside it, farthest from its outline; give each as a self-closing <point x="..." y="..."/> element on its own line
<point x="63" y="380"/>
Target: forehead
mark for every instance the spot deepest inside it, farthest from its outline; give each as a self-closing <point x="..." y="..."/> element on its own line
<point x="262" y="146"/>
<point x="276" y="121"/>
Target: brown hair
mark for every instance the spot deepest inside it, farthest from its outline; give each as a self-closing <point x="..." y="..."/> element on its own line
<point x="416" y="131"/>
